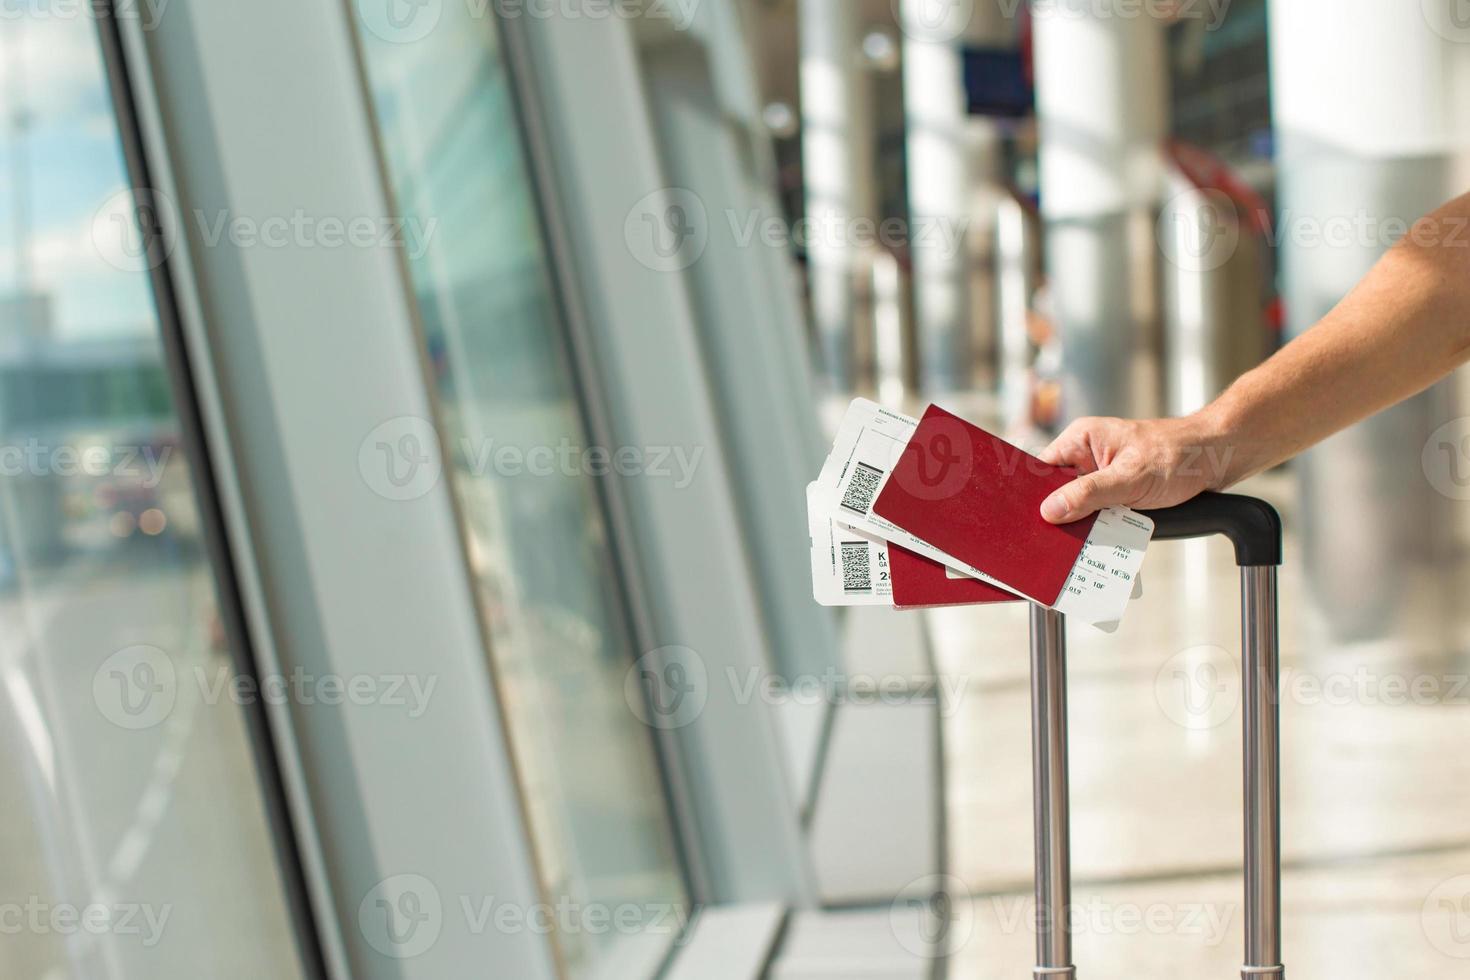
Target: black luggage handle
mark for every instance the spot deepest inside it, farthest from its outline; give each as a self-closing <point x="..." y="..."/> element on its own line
<point x="1252" y="525"/>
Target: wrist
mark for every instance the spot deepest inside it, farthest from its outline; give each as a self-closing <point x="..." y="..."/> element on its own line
<point x="1223" y="455"/>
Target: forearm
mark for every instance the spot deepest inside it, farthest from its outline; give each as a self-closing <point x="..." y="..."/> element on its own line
<point x="1404" y="327"/>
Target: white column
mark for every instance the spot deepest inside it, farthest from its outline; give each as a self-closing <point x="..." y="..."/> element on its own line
<point x="953" y="165"/>
<point x="1102" y="96"/>
<point x="837" y="152"/>
<point x="1369" y="138"/>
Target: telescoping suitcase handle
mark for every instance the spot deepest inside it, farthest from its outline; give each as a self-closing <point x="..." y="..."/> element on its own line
<point x="1254" y="528"/>
<point x="1252" y="525"/>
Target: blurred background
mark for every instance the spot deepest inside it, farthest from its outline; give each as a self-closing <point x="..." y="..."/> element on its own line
<point x="405" y="411"/>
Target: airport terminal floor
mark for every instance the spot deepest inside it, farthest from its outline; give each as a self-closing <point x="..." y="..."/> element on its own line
<point x="477" y="492"/>
<point x="1374" y="845"/>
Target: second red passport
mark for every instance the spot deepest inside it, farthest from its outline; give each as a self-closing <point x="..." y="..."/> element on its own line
<point x="977" y="497"/>
<point x="922" y="582"/>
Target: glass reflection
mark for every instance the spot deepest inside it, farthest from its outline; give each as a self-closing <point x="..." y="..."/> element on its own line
<point x="535" y="535"/>
<point x="133" y="841"/>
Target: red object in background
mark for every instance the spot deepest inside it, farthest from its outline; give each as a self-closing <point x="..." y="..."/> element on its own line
<point x="1208" y="172"/>
<point x="978" y="498"/>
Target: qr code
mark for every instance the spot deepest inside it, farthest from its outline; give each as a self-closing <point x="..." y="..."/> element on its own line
<point x="857" y="576"/>
<point x="862" y="489"/>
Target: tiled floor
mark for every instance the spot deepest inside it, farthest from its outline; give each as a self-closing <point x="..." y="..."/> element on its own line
<point x="1376" y="785"/>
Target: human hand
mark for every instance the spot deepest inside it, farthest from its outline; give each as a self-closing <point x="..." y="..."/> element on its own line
<point x="1142" y="464"/>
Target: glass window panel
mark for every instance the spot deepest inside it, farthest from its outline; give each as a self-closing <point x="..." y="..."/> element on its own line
<point x="536" y="537"/>
<point x="133" y="841"/>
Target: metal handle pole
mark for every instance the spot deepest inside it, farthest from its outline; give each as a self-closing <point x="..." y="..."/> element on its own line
<point x="1260" y="657"/>
<point x="1049" y="785"/>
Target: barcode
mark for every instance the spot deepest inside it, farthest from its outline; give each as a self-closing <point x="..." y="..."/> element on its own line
<point x="856" y="575"/>
<point x="862" y="489"/>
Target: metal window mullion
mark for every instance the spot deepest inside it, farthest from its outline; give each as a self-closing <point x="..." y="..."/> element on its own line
<point x="271" y="742"/>
<point x="599" y="156"/>
<point x="346" y="581"/>
<point x="593" y="407"/>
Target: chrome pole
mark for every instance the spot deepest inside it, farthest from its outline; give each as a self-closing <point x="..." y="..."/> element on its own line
<point x="1049" y="786"/>
<point x="1260" y="657"/>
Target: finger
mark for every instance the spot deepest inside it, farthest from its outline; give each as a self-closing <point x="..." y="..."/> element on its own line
<point x="1087" y="495"/>
<point x="1071" y="448"/>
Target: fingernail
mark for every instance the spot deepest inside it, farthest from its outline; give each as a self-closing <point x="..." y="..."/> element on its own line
<point x="1054" y="509"/>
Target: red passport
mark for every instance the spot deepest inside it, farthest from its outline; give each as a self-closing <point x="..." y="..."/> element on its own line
<point x="978" y="498"/>
<point x="920" y="581"/>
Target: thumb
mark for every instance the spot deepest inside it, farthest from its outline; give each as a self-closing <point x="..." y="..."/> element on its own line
<point x="1086" y="495"/>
